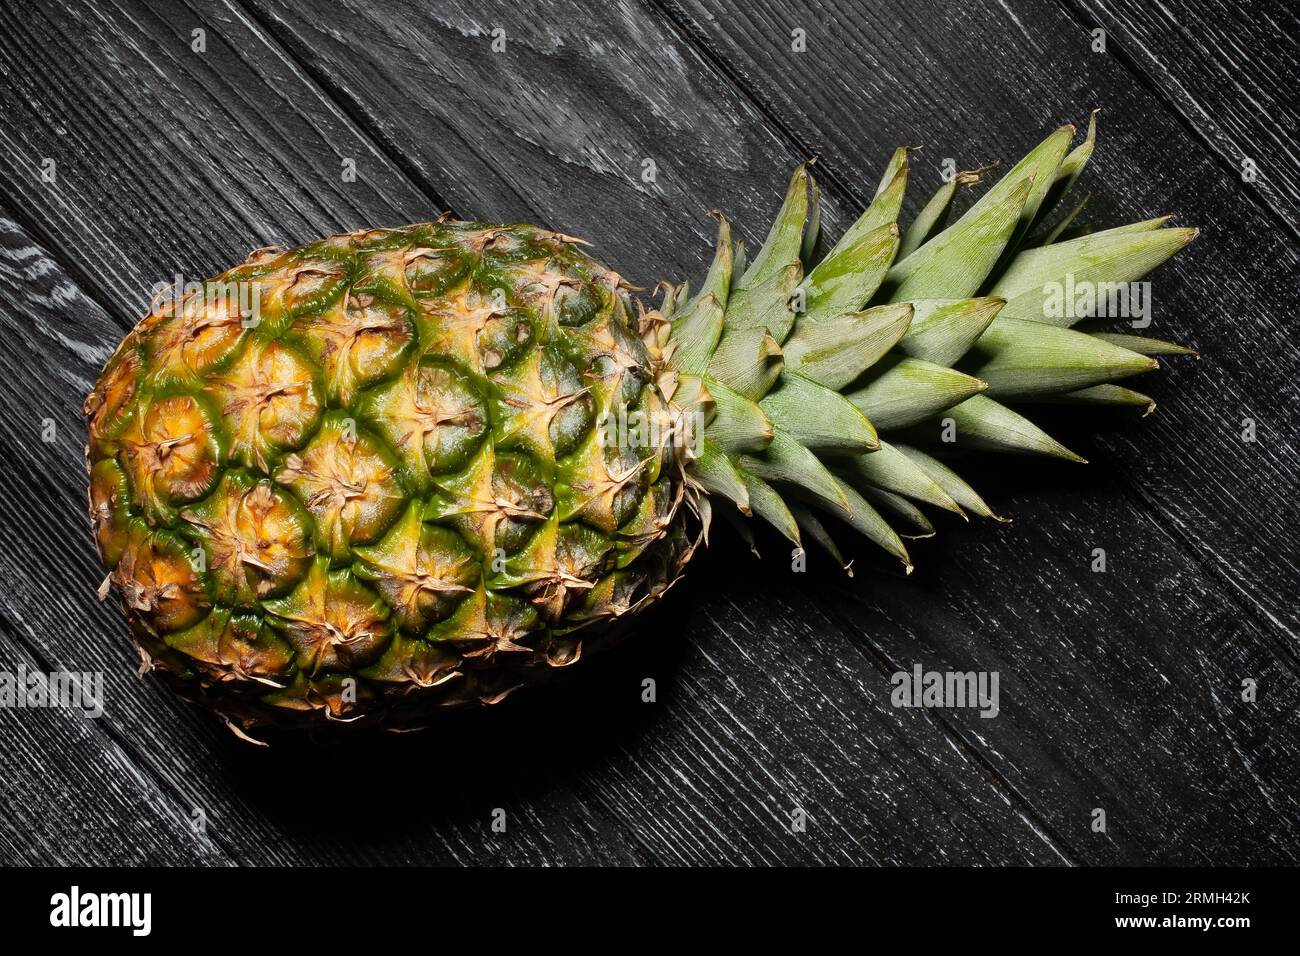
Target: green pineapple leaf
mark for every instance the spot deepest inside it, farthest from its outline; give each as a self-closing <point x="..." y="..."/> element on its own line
<point x="901" y="391"/>
<point x="943" y="330"/>
<point x="738" y="425"/>
<point x="819" y="418"/>
<point x="1020" y="359"/>
<point x="893" y="471"/>
<point x="835" y="352"/>
<point x="770" y="506"/>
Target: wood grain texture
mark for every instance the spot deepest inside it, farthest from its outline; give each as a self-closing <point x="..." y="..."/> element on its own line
<point x="1119" y="690"/>
<point x="1228" y="70"/>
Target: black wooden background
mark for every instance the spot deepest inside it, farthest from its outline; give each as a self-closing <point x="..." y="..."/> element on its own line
<point x="1120" y="691"/>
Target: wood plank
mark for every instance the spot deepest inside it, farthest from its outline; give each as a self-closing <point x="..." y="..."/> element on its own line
<point x="67" y="772"/>
<point x="1229" y="70"/>
<point x="585" y="780"/>
<point x="72" y="795"/>
<point x="541" y="74"/>
<point x="164" y="161"/>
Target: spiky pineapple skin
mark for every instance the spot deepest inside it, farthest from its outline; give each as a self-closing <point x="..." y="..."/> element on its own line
<point x="386" y="489"/>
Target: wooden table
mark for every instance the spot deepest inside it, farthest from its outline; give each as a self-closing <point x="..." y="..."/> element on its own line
<point x="1120" y="691"/>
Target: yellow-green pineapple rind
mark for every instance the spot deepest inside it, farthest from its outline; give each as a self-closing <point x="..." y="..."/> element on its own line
<point x="385" y="489"/>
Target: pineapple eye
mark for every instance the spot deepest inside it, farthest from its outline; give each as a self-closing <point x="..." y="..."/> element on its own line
<point x="602" y="366"/>
<point x="311" y="287"/>
<point x="422" y="570"/>
<point x="348" y="482"/>
<point x="505" y="337"/>
<point x="432" y="271"/>
<point x="170" y="453"/>
<point x="577" y="304"/>
<point x="269" y="401"/>
<point x="256" y="539"/>
<point x="357" y="343"/>
<point x="502" y="246"/>
<point x="158" y="580"/>
<point x="431" y="416"/>
<point x="109" y="496"/>
<point x="189" y="339"/>
<point x="235" y="647"/>
<point x="332" y="620"/>
<point x="107" y="405"/>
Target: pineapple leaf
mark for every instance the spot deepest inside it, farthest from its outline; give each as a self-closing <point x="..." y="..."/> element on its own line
<point x="742" y="526"/>
<point x="902" y="391"/>
<point x="1038" y="284"/>
<point x="696" y="332"/>
<point x="760" y="298"/>
<point x="867" y="521"/>
<point x="788" y="462"/>
<point x="893" y="471"/>
<point x="956" y="262"/>
<point x="1067" y="220"/>
<point x="835" y="352"/>
<point x="749" y="360"/>
<point x="819" y="418"/>
<point x="897" y="164"/>
<point x="1143" y="345"/>
<point x="884" y="206"/>
<point x="981" y="424"/>
<point x="1020" y="359"/>
<point x="934" y="216"/>
<point x="718" y="281"/>
<point x="901" y="508"/>
<point x="1067" y="174"/>
<point x="951" y="482"/>
<point x="850" y="274"/>
<point x="766" y="305"/>
<point x="768" y="504"/>
<point x="738" y="424"/>
<point x="785" y="238"/>
<point x="1040" y="168"/>
<point x="813" y="527"/>
<point x="668" y="307"/>
<point x="1104" y="394"/>
<point x="943" y="330"/>
<point x="739" y="259"/>
<point x="812" y="237"/>
<point x="719" y="476"/>
<point x="1145" y="225"/>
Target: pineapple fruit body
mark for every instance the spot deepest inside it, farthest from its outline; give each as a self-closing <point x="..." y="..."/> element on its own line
<point x="385" y="488"/>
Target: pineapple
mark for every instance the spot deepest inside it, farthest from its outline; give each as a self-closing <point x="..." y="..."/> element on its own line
<point x="422" y="467"/>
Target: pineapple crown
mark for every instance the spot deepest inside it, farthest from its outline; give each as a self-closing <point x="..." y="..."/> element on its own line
<point x="833" y="377"/>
